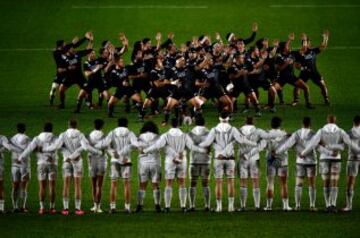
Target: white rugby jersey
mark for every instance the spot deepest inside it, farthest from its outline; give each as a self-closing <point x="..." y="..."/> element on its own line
<point x="256" y="135"/>
<point x="299" y="140"/>
<point x="145" y="140"/>
<point x="19" y="143"/>
<point x="278" y="138"/>
<point x="44" y="139"/>
<point x="198" y="134"/>
<point x="222" y="137"/>
<point x="4" y="145"/>
<point x="354" y="134"/>
<point x="71" y="142"/>
<point x="119" y="143"/>
<point x="330" y="137"/>
<point x="175" y="141"/>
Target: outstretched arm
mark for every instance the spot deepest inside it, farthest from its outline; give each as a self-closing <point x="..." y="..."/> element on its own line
<point x="312" y="144"/>
<point x="190" y="145"/>
<point x="287" y="145"/>
<point x="209" y="139"/>
<point x="158" y="145"/>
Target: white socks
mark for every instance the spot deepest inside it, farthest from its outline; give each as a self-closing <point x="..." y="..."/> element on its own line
<point x="192" y="196"/>
<point x="112" y="205"/>
<point x="349" y="198"/>
<point x="77" y="204"/>
<point x="127" y="206"/>
<point x="333" y="195"/>
<point x="243" y="197"/>
<point x="312" y="196"/>
<point x="42" y="205"/>
<point x="140" y="197"/>
<point x="256" y="195"/>
<point x="156" y="195"/>
<point x="2" y="205"/>
<point x="285" y="203"/>
<point x="327" y="196"/>
<point x="269" y="202"/>
<point x="182" y="196"/>
<point x="207" y="195"/>
<point x="231" y="204"/>
<point x="298" y="193"/>
<point x="168" y="196"/>
<point x="218" y="205"/>
<point x="66" y="203"/>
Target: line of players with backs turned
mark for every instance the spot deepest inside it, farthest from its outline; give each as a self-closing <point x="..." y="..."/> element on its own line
<point x="178" y="146"/>
<point x="189" y="75"/>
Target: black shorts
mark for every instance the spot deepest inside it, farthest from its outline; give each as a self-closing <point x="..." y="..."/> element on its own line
<point x="259" y="81"/>
<point x="59" y="79"/>
<point x="159" y="92"/>
<point x="214" y="91"/>
<point x="141" y="85"/>
<point x="124" y="91"/>
<point x="282" y="80"/>
<point x="241" y="86"/>
<point x="181" y="93"/>
<point x="315" y="76"/>
<point x="77" y="79"/>
<point x="95" y="84"/>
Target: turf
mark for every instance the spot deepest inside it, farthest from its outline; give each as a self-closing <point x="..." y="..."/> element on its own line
<point x="26" y="75"/>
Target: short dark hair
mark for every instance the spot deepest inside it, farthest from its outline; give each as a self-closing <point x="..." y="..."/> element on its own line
<point x="59" y="43"/>
<point x="73" y="123"/>
<point x="331" y="118"/>
<point x="249" y="121"/>
<point x="275" y="122"/>
<point x="306" y="122"/>
<point x="21" y="128"/>
<point x="99" y="124"/>
<point x="145" y="40"/>
<point x="174" y="122"/>
<point x="356" y="120"/>
<point x="48" y="127"/>
<point x="199" y="120"/>
<point x="224" y="115"/>
<point x="149" y="126"/>
<point x="123" y="122"/>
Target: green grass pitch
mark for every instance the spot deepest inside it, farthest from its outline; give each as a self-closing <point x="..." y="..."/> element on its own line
<point x="26" y="75"/>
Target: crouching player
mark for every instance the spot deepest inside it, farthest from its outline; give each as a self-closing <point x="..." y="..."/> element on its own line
<point x="46" y="166"/>
<point x="331" y="140"/>
<point x="353" y="164"/>
<point x="199" y="164"/>
<point x="71" y="142"/>
<point x="305" y="166"/>
<point x="277" y="164"/>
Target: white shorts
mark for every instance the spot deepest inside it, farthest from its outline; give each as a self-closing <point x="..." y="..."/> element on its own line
<point x="352" y="167"/>
<point x="149" y="171"/>
<point x="249" y="168"/>
<point x="330" y="167"/>
<point x="199" y="170"/>
<point x="97" y="166"/>
<point x="20" y="173"/>
<point x="308" y="170"/>
<point x="118" y="171"/>
<point x="73" y="169"/>
<point x="226" y="167"/>
<point x="46" y="171"/>
<point x="281" y="171"/>
<point x="173" y="170"/>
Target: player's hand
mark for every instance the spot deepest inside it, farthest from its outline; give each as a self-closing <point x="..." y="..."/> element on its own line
<point x="125" y="161"/>
<point x="264" y="54"/>
<point x="303" y="36"/>
<point x="254" y="27"/>
<point x="171" y="35"/>
<point x="122" y="36"/>
<point x="75" y="40"/>
<point x="276" y="43"/>
<point x="326" y="33"/>
<point x="291" y="36"/>
<point x="217" y="36"/>
<point x="289" y="61"/>
<point x="335" y="153"/>
<point x="158" y="36"/>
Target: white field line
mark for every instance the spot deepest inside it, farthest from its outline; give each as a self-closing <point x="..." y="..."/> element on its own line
<point x="315" y="6"/>
<point x="141" y="7"/>
<point x="49" y="49"/>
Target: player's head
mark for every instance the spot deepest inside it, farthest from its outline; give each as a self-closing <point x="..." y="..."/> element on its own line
<point x="149" y="126"/>
<point x="230" y="37"/>
<point x="60" y="44"/>
<point x="249" y="121"/>
<point x="174" y="122"/>
<point x="171" y="48"/>
<point x="331" y="119"/>
<point x="276" y="122"/>
<point x="284" y="47"/>
<point x="255" y="51"/>
<point x="356" y="120"/>
<point x="48" y="127"/>
<point x="73" y="124"/>
<point x="146" y="43"/>
<point x="240" y="44"/>
<point x="104" y="53"/>
<point x="98" y="124"/>
<point x="224" y="117"/>
<point x="92" y="55"/>
<point x="306" y="122"/>
<point x="239" y="59"/>
<point x="105" y="43"/>
<point x="21" y="128"/>
<point x="199" y="120"/>
<point x="119" y="61"/>
<point x="123" y="122"/>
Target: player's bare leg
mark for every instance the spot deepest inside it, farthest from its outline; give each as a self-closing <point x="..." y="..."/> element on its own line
<point x="206" y="193"/>
<point x="80" y="98"/>
<point x="113" y="195"/>
<point x="312" y="193"/>
<point x="156" y="196"/>
<point x="24" y="194"/>
<point x="269" y="193"/>
<point x="284" y="193"/>
<point x="350" y="184"/>
<point x="77" y="185"/>
<point x="138" y="104"/>
<point x="15" y="194"/>
<point x="231" y="194"/>
<point x="52" y="186"/>
<point x="52" y="94"/>
<point x="42" y="189"/>
<point x="256" y="193"/>
<point x="324" y="91"/>
<point x="99" y="185"/>
<point x="66" y="188"/>
<point x="127" y="194"/>
<point x="171" y="103"/>
<point x="218" y="194"/>
<point x="303" y="86"/>
<point x="298" y="192"/>
<point x="62" y="91"/>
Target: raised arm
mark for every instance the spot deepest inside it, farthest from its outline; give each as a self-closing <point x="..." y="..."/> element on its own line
<point x="254" y="29"/>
